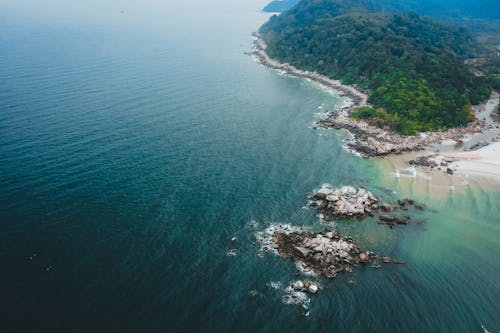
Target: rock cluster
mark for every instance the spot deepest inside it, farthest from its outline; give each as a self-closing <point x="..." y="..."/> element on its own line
<point x="349" y="202"/>
<point x="434" y="161"/>
<point x="299" y="293"/>
<point x="307" y="286"/>
<point x="371" y="141"/>
<point x="344" y="202"/>
<point x="425" y="161"/>
<point x="327" y="253"/>
<point x="392" y="220"/>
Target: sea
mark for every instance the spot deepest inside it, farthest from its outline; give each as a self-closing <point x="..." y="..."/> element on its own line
<point x="137" y="138"/>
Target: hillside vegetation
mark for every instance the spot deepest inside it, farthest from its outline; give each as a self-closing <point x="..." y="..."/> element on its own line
<point x="278" y="6"/>
<point x="413" y="66"/>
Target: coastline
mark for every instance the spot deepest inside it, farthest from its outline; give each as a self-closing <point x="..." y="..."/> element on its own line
<point x="367" y="140"/>
<point x="355" y="98"/>
<point x="452" y="165"/>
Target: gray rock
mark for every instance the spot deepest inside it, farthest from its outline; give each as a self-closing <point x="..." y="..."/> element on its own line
<point x="363" y="256"/>
<point x="387" y="218"/>
<point x="319" y="196"/>
<point x="298" y="285"/>
<point x="402" y="219"/>
<point x="332" y="198"/>
<point x="385" y="208"/>
<point x="313" y="288"/>
<point x="302" y="251"/>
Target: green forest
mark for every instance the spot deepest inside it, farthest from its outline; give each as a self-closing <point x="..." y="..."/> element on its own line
<point x="278" y="6"/>
<point x="413" y="67"/>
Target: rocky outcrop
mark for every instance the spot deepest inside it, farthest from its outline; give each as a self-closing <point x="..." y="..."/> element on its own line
<point x="350" y="202"/>
<point x="371" y="141"/>
<point x="327" y="253"/>
<point x="344" y="202"/>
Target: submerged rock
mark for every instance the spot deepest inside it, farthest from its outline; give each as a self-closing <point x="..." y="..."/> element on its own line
<point x="385" y="208"/>
<point x="402" y="219"/>
<point x="387" y="218"/>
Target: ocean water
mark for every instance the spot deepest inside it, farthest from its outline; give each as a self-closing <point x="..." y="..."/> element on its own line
<point x="136" y="139"/>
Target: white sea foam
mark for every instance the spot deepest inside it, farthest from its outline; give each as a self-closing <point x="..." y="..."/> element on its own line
<point x="291" y="296"/>
<point x="265" y="237"/>
<point x="295" y="297"/>
<point x="304" y="269"/>
<point x="413" y="171"/>
<point x="277" y="285"/>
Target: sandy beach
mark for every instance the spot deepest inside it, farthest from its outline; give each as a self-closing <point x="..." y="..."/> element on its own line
<point x="482" y="163"/>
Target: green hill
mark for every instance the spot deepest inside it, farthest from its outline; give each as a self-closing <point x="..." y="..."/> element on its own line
<point x="413" y="66"/>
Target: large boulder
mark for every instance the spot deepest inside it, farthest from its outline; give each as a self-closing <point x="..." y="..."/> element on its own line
<point x="302" y="251"/>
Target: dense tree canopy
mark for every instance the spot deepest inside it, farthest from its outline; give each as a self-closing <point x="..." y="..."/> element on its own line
<point x="413" y="66"/>
<point x="278" y="6"/>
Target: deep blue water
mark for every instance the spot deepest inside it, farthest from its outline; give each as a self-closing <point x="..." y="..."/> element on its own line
<point x="137" y="139"/>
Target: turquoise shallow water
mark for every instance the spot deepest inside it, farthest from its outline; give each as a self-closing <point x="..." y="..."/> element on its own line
<point x="136" y="140"/>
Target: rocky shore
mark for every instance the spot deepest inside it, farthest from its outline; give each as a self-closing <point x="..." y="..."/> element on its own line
<point x="355" y="97"/>
<point x="371" y="141"/>
<point x="476" y="164"/>
<point x="367" y="140"/>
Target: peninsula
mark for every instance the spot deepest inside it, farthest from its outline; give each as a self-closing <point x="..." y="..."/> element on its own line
<point x="408" y="78"/>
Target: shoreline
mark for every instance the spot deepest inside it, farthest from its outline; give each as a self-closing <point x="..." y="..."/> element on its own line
<point x="355" y="97"/>
<point x="481" y="163"/>
<point x="367" y="140"/>
<point x="453" y="166"/>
